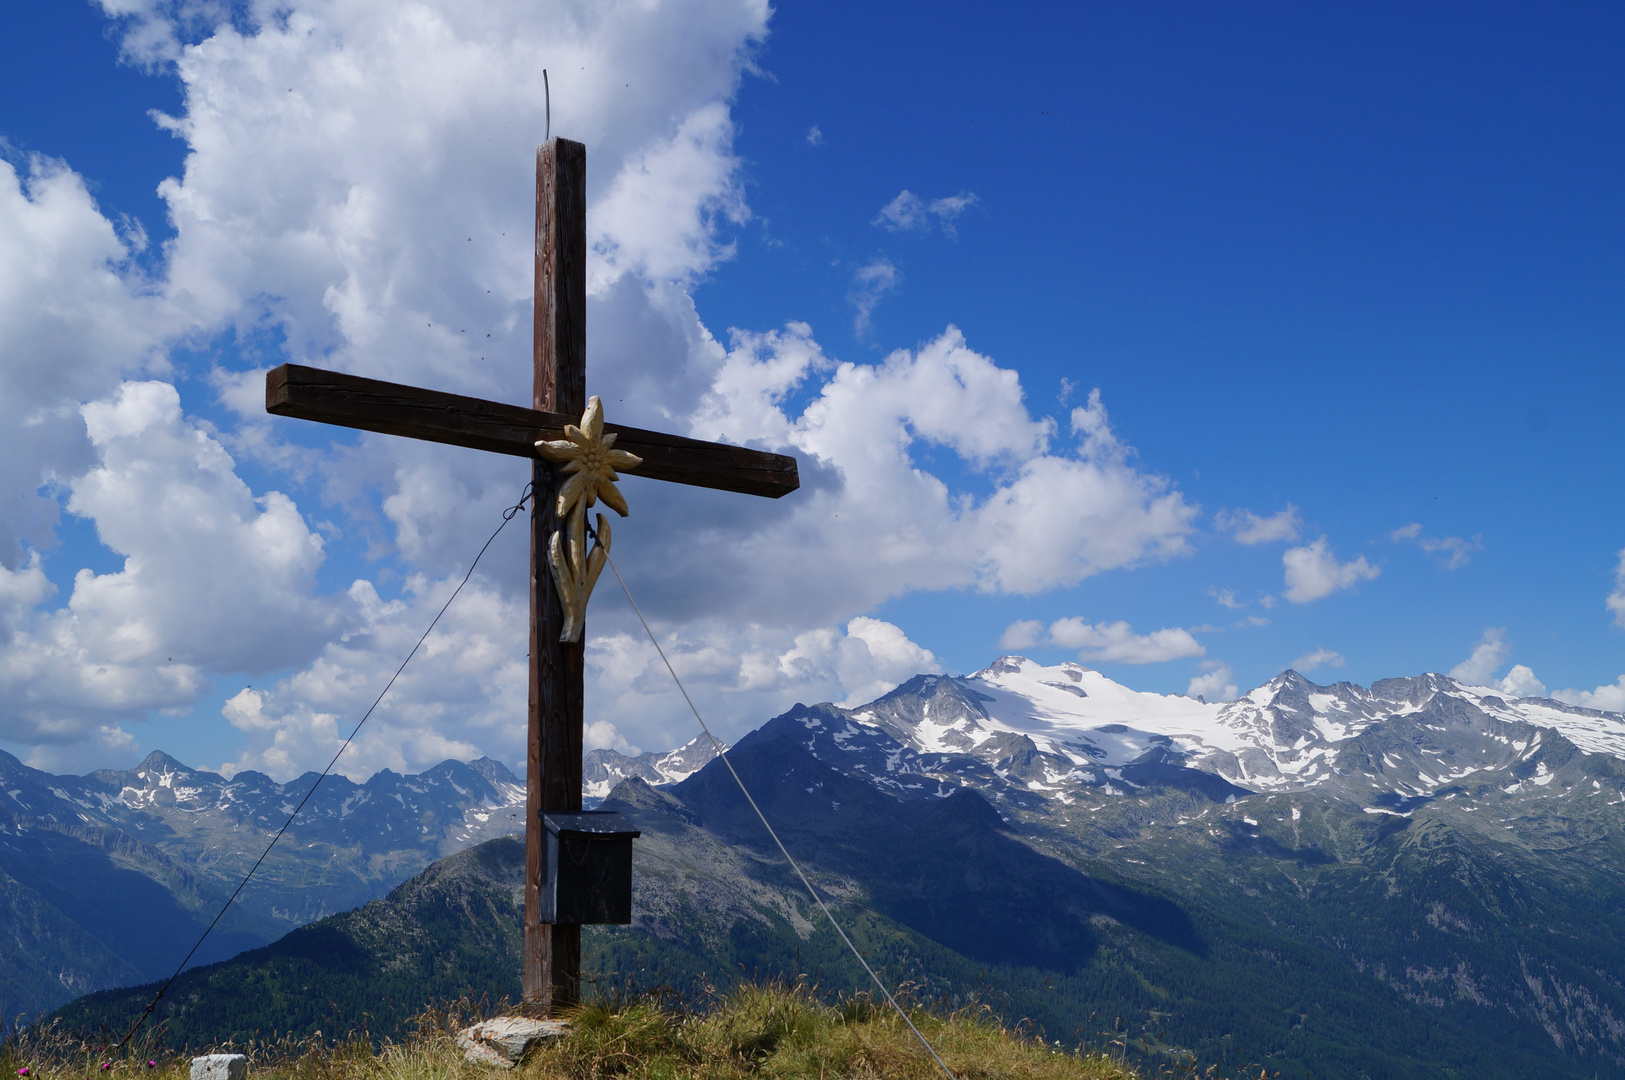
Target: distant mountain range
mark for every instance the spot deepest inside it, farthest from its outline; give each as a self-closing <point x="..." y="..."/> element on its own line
<point x="107" y="879"/>
<point x="1419" y="879"/>
<point x="456" y="925"/>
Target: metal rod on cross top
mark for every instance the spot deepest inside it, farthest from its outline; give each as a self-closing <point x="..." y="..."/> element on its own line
<point x="552" y="952"/>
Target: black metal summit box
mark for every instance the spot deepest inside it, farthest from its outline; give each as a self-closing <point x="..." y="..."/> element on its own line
<point x="587" y="868"/>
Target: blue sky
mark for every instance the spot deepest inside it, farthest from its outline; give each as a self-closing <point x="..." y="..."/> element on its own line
<point x="1359" y="263"/>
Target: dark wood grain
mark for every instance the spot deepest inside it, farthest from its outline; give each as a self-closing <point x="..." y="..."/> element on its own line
<point x="552" y="965"/>
<point x="331" y="397"/>
<point x="551" y="972"/>
<point x="560" y="339"/>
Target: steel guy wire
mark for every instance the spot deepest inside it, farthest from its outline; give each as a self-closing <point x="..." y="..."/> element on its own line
<point x="721" y="753"/>
<point x="507" y="516"/>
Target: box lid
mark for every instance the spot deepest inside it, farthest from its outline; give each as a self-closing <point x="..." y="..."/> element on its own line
<point x="589" y="823"/>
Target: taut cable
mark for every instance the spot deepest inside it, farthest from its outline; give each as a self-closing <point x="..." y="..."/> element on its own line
<point x="507" y="516"/>
<point x="721" y="753"/>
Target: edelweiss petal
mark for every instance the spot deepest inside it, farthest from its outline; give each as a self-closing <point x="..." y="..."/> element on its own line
<point x="557" y="450"/>
<point x="613" y="499"/>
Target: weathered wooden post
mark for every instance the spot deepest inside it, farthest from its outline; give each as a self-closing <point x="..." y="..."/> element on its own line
<point x="552" y="960"/>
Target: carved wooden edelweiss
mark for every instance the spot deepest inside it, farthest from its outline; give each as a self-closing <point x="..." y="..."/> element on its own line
<point x="591" y="461"/>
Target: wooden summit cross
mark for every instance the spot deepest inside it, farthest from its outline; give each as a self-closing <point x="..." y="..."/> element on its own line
<point x="552" y="959"/>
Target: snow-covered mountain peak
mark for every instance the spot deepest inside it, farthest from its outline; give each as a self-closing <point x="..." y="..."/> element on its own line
<point x="1069" y="702"/>
<point x="1592" y="730"/>
<point x="603" y="769"/>
<point x="1066" y="710"/>
<point x="1288" y="733"/>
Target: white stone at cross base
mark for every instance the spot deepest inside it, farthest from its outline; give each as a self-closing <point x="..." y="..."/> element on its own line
<point x="503" y="1041"/>
<point x="220" y="1067"/>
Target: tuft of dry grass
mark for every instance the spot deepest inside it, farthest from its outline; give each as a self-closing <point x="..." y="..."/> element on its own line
<point x="770" y="1032"/>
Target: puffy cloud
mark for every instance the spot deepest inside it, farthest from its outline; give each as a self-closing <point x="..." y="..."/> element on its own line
<point x="741" y="675"/>
<point x="75" y="316"/>
<point x="22" y="589"/>
<point x="212" y="576"/>
<point x="1320" y="657"/>
<point x="871" y="523"/>
<point x="1521" y="682"/>
<point x="464" y="693"/>
<point x="910" y="212"/>
<point x="213" y="579"/>
<point x="814" y="136"/>
<point x="1312" y="572"/>
<point x="1455" y="552"/>
<point x="660" y="212"/>
<point x="1248" y="528"/>
<point x="1616" y="599"/>
<point x="1023" y="634"/>
<point x="1216" y="684"/>
<point x="360" y="172"/>
<point x="1074" y="517"/>
<point x="873" y="280"/>
<point x="1609" y="697"/>
<point x="1118" y="641"/>
<point x="1487" y="656"/>
<point x="873" y="657"/>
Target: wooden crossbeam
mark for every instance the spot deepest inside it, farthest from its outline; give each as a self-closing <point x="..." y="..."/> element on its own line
<point x="331" y="397"/>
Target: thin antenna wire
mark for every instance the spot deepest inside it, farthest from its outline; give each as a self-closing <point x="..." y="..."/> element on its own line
<point x="819" y="900"/>
<point x="507" y="516"/>
<point x="547" y="93"/>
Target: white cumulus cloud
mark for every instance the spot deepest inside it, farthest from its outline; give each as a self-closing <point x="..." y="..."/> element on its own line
<point x="1486" y="659"/>
<point x="213" y="579"/>
<point x="1118" y="641"/>
<point x="1022" y="634"/>
<point x="1313" y="572"/>
<point x="1493" y="650"/>
<point x="1249" y="528"/>
<point x="1610" y="697"/>
<point x="1216" y="683"/>
<point x="75" y="318"/>
<point x="1521" y="682"/>
<point x="742" y="675"/>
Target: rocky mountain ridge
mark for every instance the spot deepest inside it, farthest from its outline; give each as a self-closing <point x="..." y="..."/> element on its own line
<point x="1018" y="729"/>
<point x="602" y="770"/>
<point x="108" y="878"/>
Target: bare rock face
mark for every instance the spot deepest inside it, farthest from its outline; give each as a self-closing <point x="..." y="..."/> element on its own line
<point x="502" y="1042"/>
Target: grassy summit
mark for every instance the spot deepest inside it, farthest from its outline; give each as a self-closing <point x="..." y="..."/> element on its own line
<point x="756" y="1031"/>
